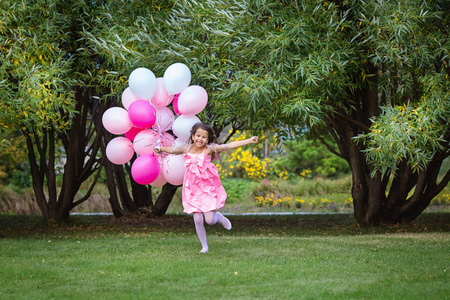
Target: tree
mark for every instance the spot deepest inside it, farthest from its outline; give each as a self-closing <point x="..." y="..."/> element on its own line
<point x="43" y="97"/>
<point x="62" y="66"/>
<point x="373" y="76"/>
<point x="146" y="34"/>
<point x="125" y="36"/>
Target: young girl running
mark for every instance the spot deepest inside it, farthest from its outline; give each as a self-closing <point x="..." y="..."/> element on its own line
<point x="203" y="192"/>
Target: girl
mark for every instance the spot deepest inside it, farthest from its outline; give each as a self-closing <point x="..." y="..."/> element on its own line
<point x="203" y="192"/>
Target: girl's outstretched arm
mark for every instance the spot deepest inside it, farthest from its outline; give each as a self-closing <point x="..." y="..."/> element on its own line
<point x="159" y="149"/>
<point x="237" y="144"/>
<point x="169" y="150"/>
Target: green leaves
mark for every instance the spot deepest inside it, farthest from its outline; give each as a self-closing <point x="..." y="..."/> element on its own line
<point x="36" y="85"/>
<point x="269" y="64"/>
<point x="403" y="134"/>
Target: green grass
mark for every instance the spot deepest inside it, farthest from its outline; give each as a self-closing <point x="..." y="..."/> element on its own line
<point x="292" y="257"/>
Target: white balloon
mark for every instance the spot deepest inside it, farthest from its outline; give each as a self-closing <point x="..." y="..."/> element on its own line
<point x="177" y="77"/>
<point x="192" y="100"/>
<point x="178" y="143"/>
<point x="142" y="83"/>
<point x="182" y="126"/>
<point x="116" y="120"/>
<point x="173" y="169"/>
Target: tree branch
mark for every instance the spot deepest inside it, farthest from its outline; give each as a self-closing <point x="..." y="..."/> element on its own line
<point x="91" y="188"/>
<point x="360" y="125"/>
<point x="326" y="144"/>
<point x="234" y="127"/>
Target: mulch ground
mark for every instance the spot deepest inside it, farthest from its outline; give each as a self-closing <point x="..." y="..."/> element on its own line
<point x="302" y="225"/>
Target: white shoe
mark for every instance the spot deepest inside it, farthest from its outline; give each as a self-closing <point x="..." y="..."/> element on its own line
<point x="203" y="250"/>
<point x="228" y="226"/>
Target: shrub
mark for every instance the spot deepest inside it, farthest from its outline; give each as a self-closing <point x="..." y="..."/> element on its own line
<point x="242" y="163"/>
<point x="312" y="156"/>
<point x="18" y="202"/>
<point x="441" y="199"/>
<point x="237" y="189"/>
<point x="304" y="193"/>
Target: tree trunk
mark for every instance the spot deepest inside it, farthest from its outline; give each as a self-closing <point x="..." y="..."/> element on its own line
<point x="371" y="205"/>
<point x="121" y="200"/>
<point x="113" y="196"/>
<point x="80" y="148"/>
<point x="266" y="144"/>
<point x="373" y="200"/>
<point x="37" y="177"/>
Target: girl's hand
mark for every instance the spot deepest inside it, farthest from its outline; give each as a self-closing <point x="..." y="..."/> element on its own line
<point x="157" y="149"/>
<point x="254" y="139"/>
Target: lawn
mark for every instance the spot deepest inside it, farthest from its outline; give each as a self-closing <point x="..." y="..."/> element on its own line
<point x="264" y="257"/>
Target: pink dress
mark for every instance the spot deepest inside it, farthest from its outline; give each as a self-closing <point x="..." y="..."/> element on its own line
<point x="202" y="189"/>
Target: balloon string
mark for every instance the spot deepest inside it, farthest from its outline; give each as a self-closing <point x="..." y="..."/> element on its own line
<point x="165" y="128"/>
<point x="160" y="131"/>
<point x="158" y="143"/>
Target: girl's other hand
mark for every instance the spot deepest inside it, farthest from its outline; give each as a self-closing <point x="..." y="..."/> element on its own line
<point x="254" y="139"/>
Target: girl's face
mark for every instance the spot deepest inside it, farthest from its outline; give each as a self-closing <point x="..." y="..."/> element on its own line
<point x="200" y="138"/>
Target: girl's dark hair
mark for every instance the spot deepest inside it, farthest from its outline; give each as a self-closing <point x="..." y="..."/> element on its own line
<point x="211" y="134"/>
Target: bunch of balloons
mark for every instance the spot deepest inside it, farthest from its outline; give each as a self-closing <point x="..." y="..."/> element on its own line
<point x="145" y="121"/>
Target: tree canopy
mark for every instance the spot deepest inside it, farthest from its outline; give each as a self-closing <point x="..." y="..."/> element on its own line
<point x="47" y="95"/>
<point x="372" y="75"/>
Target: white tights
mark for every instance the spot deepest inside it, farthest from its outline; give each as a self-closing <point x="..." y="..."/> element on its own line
<point x="211" y="218"/>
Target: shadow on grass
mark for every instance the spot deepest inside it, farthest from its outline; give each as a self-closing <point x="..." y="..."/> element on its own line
<point x="295" y="225"/>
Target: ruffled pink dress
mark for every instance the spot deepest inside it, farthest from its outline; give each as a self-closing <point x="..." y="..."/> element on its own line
<point x="202" y="189"/>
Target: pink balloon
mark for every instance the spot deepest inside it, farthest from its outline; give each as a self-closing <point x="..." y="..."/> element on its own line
<point x="145" y="169"/>
<point x="116" y="120"/>
<point x="142" y="114"/>
<point x="164" y="119"/>
<point x="119" y="150"/>
<point x="131" y="134"/>
<point x="175" y="104"/>
<point x="173" y="169"/>
<point x="144" y="142"/>
<point x="161" y="97"/>
<point x="160" y="180"/>
<point x="128" y="97"/>
<point x="167" y="139"/>
<point x="192" y="100"/>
